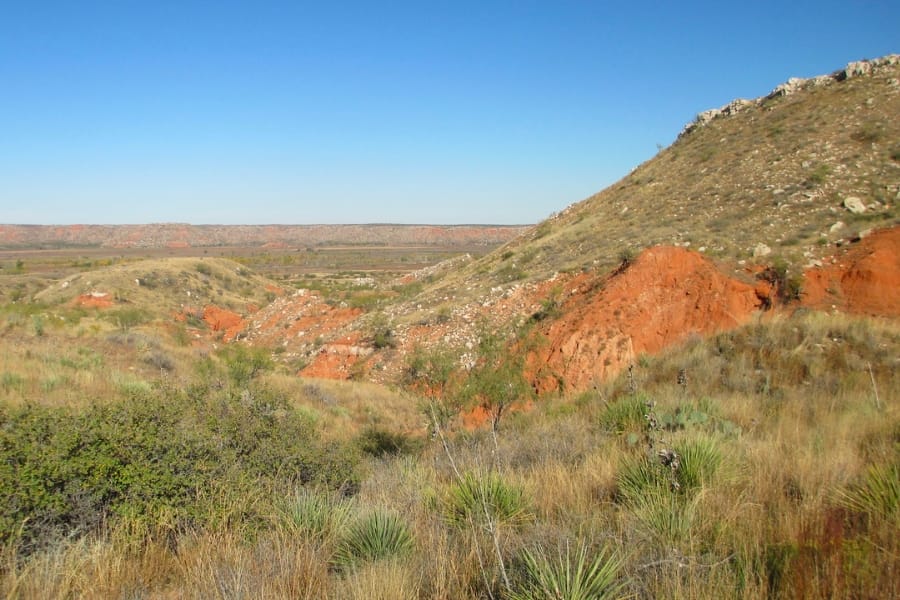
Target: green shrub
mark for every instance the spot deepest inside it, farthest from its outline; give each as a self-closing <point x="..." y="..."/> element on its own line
<point x="817" y="176"/>
<point x="895" y="153"/>
<point x="379" y="442"/>
<point x="37" y="322"/>
<point x="244" y="363"/>
<point x="376" y="536"/>
<point x="11" y="381"/>
<point x="188" y="455"/>
<point x="126" y="318"/>
<point x="569" y="576"/>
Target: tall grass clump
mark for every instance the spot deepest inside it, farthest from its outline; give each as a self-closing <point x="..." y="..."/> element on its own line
<point x="570" y="575"/>
<point x="317" y="514"/>
<point x="626" y="413"/>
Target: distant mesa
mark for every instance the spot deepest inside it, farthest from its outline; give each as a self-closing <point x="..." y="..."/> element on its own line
<point x="179" y="235"/>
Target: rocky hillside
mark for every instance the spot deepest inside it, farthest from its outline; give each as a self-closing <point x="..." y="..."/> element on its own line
<point x="789" y="175"/>
<point x="757" y="205"/>
<point x="180" y="235"/>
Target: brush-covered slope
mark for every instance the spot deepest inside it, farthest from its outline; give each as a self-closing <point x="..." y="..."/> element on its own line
<point x="721" y="226"/>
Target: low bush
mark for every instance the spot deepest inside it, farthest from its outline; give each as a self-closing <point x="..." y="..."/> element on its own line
<point x="181" y="456"/>
<point x="379" y="442"/>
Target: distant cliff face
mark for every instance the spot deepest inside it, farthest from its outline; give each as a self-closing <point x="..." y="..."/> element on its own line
<point x="175" y="235"/>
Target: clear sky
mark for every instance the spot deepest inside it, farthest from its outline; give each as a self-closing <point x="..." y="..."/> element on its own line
<point x="389" y="111"/>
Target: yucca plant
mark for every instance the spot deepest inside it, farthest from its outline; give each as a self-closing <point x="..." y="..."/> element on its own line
<point x="700" y="460"/>
<point x="315" y="514"/>
<point x="689" y="466"/>
<point x="569" y="575"/>
<point x="878" y="494"/>
<point x="378" y="535"/>
<point x="479" y="498"/>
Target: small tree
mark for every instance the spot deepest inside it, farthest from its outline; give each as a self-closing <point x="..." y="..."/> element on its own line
<point x="498" y="378"/>
<point x="434" y="375"/>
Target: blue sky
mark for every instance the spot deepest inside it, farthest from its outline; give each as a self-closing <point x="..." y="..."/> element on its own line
<point x="359" y="112"/>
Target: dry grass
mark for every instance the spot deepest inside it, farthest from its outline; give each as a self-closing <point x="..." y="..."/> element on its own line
<point x="787" y="403"/>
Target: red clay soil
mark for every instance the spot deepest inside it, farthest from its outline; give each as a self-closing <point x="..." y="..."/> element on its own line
<point x="94" y="300"/>
<point x="305" y="325"/>
<point x="864" y="279"/>
<point x="220" y="319"/>
<point x="666" y="295"/>
<point x="336" y="359"/>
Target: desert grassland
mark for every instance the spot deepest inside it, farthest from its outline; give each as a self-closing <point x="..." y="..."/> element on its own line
<point x="786" y="431"/>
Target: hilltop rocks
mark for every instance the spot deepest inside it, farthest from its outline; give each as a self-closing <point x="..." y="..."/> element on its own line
<point x="866" y="67"/>
<point x="792" y="86"/>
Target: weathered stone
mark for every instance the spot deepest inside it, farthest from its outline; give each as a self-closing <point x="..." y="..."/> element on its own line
<point x="791" y="86"/>
<point x="854" y="205"/>
<point x="761" y="250"/>
<point x="836" y="227"/>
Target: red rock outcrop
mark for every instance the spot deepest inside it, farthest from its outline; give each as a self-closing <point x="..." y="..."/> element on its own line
<point x="864" y="279"/>
<point x="94" y="300"/>
<point x="226" y="321"/>
<point x="666" y="295"/>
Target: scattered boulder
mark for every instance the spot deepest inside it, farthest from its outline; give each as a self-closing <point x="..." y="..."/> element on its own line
<point x="761" y="250"/>
<point x="854" y="205"/>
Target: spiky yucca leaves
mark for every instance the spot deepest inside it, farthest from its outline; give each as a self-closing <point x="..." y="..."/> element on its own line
<point x="317" y="514"/>
<point x="690" y="465"/>
<point x="569" y="575"/>
<point x="478" y="498"/>
<point x="878" y="494"/>
<point x="700" y="462"/>
<point x="376" y="536"/>
<point x="662" y="491"/>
